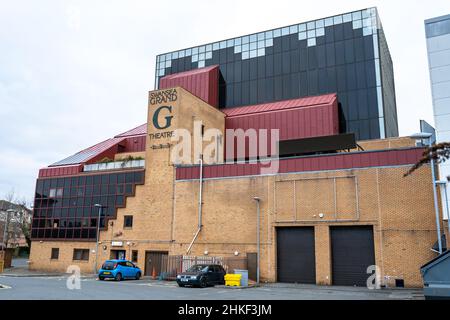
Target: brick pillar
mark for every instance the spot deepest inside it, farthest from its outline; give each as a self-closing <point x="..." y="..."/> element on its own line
<point x="323" y="254"/>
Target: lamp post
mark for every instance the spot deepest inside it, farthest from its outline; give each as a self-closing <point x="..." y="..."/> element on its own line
<point x="258" y="242"/>
<point x="444" y="185"/>
<point x="427" y="136"/>
<point x="100" y="207"/>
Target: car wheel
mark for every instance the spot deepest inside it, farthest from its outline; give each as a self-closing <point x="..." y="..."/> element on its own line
<point x="181" y="285"/>
<point x="138" y="276"/>
<point x="203" y="282"/>
<point x="119" y="277"/>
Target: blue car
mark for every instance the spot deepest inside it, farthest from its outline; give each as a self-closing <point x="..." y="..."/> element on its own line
<point x="119" y="270"/>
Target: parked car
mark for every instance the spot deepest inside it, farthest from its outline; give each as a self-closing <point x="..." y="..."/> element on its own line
<point x="202" y="275"/>
<point x="119" y="270"/>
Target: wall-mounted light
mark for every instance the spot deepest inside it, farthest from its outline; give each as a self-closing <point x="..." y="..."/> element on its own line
<point x="206" y="252"/>
<point x="236" y="253"/>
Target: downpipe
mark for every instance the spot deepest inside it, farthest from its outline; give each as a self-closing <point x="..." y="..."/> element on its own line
<point x="200" y="205"/>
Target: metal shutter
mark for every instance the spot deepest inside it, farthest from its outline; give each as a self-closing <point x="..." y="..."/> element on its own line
<point x="352" y="253"/>
<point x="296" y="261"/>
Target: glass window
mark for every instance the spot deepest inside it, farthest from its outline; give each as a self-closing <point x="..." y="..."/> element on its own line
<point x="216" y="46"/>
<point x="302" y="36"/>
<point x="81" y="254"/>
<point x="245" y="55"/>
<point x="223" y="44"/>
<point x="245" y="39"/>
<point x="201" y="64"/>
<point x="356" y="15"/>
<point x="320" y="32"/>
<point x="293" y="29"/>
<point x="182" y="54"/>
<point x="337" y="20"/>
<point x="269" y="42"/>
<point x="202" y="49"/>
<point x="195" y="50"/>
<point x="311" y="33"/>
<point x="320" y="23"/>
<point x="285" y="31"/>
<point x="55" y="254"/>
<point x="230" y="43"/>
<point x="357" y="24"/>
<point x="329" y="22"/>
<point x="311" y="25"/>
<point x="253" y="38"/>
<point x="260" y="36"/>
<point x="261" y="52"/>
<point x="188" y="52"/>
<point x="128" y="221"/>
<point x="347" y="17"/>
<point x="52" y="193"/>
<point x="276" y="33"/>
<point x="134" y="256"/>
<point x="269" y="34"/>
<point x="311" y="42"/>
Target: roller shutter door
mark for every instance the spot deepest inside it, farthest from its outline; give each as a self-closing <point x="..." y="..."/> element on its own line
<point x="352" y="253"/>
<point x="296" y="261"/>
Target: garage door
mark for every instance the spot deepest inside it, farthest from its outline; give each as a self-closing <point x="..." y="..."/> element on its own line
<point x="296" y="260"/>
<point x="352" y="252"/>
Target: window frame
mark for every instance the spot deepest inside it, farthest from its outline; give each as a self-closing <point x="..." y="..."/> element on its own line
<point x="127" y="218"/>
<point x="54" y="256"/>
<point x="83" y="254"/>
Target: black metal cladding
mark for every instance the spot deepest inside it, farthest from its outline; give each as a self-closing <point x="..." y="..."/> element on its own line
<point x="64" y="207"/>
<point x="344" y="60"/>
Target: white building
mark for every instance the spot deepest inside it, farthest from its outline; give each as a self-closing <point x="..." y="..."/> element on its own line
<point x="438" y="44"/>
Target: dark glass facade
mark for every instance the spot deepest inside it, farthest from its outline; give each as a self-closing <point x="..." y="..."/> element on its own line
<point x="64" y="207"/>
<point x="345" y="54"/>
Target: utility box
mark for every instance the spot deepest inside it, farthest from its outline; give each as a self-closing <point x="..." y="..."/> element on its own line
<point x="436" y="277"/>
<point x="244" y="278"/>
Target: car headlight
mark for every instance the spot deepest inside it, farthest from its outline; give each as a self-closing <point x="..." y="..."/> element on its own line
<point x="194" y="277"/>
<point x="178" y="277"/>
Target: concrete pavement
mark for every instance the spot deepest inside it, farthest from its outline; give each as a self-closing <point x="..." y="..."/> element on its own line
<point x="49" y="288"/>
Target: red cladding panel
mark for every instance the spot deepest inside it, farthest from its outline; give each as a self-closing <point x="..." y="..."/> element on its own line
<point x="313" y="163"/>
<point x="295" y="119"/>
<point x="203" y="83"/>
<point x="60" y="171"/>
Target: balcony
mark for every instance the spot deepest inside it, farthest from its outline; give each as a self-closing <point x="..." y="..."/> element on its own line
<point x="114" y="165"/>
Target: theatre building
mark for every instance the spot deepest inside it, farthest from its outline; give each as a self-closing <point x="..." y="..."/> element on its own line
<point x="331" y="207"/>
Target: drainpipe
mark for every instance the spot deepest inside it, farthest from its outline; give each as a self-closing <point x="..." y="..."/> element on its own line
<point x="200" y="204"/>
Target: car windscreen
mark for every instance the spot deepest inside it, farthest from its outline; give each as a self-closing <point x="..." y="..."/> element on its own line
<point x="109" y="265"/>
<point x="198" y="268"/>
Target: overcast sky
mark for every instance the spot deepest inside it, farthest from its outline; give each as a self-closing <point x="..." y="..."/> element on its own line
<point x="73" y="73"/>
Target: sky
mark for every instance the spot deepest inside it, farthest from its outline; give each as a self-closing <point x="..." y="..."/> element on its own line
<point x="74" y="73"/>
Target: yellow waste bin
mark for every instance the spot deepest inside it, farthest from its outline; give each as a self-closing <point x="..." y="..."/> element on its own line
<point x="233" y="280"/>
<point x="2" y="263"/>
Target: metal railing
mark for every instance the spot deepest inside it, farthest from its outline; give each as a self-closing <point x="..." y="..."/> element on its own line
<point x="115" y="165"/>
<point x="177" y="264"/>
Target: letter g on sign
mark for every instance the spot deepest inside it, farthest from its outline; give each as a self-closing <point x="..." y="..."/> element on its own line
<point x="156" y="123"/>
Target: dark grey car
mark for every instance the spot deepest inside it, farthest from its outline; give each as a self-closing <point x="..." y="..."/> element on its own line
<point x="202" y="275"/>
